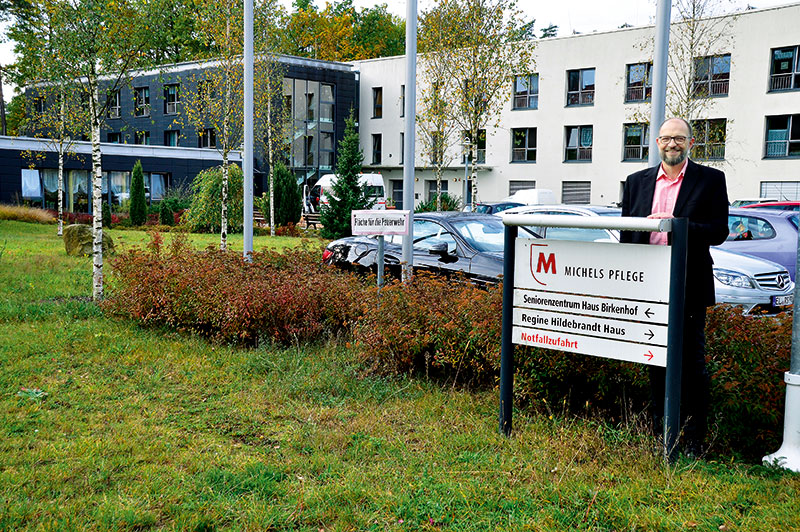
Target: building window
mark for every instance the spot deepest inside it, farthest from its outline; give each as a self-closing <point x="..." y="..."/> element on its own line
<point x="430" y="185"/>
<point x="580" y="87"/>
<point x="171" y="99"/>
<point x="576" y="192"/>
<point x="114" y="107"/>
<point x="171" y="138"/>
<point x="712" y="75"/>
<point x="785" y="69"/>
<point x="402" y="147"/>
<point x="377" y="102"/>
<point x="208" y="138"/>
<point x="516" y="186"/>
<point x="114" y="138"/>
<point x="783" y="136"/>
<point x="142" y="101"/>
<point x="480" y="147"/>
<point x="523" y="145"/>
<point x="310" y="150"/>
<point x="578" y="143"/>
<point x="402" y="101"/>
<point x="376" y="148"/>
<point x="526" y="92"/>
<point x="326" y="103"/>
<point x="637" y="142"/>
<point x="142" y="137"/>
<point x="709" y="139"/>
<point x="326" y="150"/>
<point x="38" y="105"/>
<point x="638" y="84"/>
<point x="783" y="190"/>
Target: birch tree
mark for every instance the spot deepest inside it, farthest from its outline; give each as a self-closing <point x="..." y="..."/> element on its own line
<point x="436" y="125"/>
<point x="99" y="42"/>
<point x="480" y="56"/>
<point x="215" y="107"/>
<point x="272" y="117"/>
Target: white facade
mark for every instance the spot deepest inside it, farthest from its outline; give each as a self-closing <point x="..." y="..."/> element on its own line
<point x="753" y="35"/>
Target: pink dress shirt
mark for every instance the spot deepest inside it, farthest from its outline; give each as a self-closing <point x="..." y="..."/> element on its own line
<point x="664" y="198"/>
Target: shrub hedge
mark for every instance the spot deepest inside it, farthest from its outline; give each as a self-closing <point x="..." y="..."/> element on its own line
<point x="285" y="297"/>
<point x="447" y="329"/>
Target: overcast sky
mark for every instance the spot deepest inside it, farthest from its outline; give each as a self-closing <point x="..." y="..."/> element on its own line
<point x="583" y="16"/>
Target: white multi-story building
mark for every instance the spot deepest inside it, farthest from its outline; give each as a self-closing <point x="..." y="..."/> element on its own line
<point x="572" y="124"/>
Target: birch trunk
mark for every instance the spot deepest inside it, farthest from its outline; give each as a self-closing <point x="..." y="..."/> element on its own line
<point x="97" y="190"/>
<point x="60" y="193"/>
<point x="473" y="151"/>
<point x="271" y="175"/>
<point x="62" y="118"/>
<point x="439" y="187"/>
<point x="223" y="235"/>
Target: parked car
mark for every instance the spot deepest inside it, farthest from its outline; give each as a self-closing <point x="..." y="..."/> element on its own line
<point x="750" y="201"/>
<point x="494" y="208"/>
<point x="775" y="205"/>
<point x="739" y="279"/>
<point x="770" y="235"/>
<point x="444" y="242"/>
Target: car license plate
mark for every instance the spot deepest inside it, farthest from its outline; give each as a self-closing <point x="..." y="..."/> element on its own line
<point x="782" y="301"/>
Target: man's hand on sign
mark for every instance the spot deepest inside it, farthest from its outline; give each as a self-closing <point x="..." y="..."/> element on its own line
<point x="661" y="215"/>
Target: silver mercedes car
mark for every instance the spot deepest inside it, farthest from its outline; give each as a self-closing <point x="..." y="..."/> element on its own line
<point x="756" y="284"/>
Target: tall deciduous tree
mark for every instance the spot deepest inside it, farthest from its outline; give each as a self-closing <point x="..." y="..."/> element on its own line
<point x="348" y="194"/>
<point x="215" y="107"/>
<point x="480" y="55"/>
<point x="99" y="42"/>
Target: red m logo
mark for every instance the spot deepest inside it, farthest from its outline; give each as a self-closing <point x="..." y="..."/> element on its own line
<point x="544" y="262"/>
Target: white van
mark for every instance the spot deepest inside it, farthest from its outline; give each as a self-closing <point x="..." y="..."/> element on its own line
<point x="533" y="196"/>
<point x="318" y="196"/>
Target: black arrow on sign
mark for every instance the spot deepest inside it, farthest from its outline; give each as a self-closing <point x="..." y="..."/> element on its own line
<point x="648" y="313"/>
<point x="649" y="334"/>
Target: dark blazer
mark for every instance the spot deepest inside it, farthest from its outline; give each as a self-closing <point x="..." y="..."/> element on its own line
<point x="703" y="199"/>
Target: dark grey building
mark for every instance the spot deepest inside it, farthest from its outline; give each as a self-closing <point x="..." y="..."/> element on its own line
<point x="144" y="122"/>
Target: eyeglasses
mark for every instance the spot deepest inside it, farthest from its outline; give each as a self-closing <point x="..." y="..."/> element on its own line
<point x="678" y="140"/>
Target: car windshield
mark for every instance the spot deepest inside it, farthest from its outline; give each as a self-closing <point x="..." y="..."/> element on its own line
<point x="483" y="235"/>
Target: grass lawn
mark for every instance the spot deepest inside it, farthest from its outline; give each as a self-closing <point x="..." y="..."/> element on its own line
<point x="107" y="426"/>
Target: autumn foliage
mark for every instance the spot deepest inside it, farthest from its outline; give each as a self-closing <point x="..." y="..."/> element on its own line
<point x="443" y="328"/>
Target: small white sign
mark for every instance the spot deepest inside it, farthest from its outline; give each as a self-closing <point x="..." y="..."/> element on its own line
<point x="389" y="222"/>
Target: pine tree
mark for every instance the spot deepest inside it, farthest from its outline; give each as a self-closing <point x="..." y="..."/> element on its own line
<point x="138" y="200"/>
<point x="348" y="195"/>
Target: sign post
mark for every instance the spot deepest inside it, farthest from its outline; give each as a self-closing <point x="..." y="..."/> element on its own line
<point x="380" y="223"/>
<point x="596" y="298"/>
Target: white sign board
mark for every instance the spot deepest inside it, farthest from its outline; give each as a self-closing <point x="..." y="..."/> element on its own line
<point x="594" y="298"/>
<point x="389" y="222"/>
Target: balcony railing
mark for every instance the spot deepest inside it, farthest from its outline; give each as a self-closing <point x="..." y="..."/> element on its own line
<point x="526" y="101"/>
<point x="637" y="94"/>
<point x="481" y="156"/>
<point x="585" y="97"/>
<point x="777" y="148"/>
<point x="709" y="152"/>
<point x="635" y="153"/>
<point x="780" y="82"/>
<point x="579" y="154"/>
<point x="113" y="112"/>
<point x="711" y="88"/>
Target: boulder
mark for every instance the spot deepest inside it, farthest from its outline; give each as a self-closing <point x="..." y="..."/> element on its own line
<point x="78" y="240"/>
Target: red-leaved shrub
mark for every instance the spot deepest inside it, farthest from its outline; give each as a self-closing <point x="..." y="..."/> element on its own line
<point x="284" y="297"/>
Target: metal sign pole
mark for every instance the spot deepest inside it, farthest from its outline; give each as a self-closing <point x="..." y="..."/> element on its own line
<point x="380" y="261"/>
<point x="506" y="345"/>
<point x="677" y="303"/>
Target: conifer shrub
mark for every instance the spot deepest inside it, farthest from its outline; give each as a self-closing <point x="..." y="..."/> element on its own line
<point x="165" y="214"/>
<point x="138" y="206"/>
<point x="106" y="215"/>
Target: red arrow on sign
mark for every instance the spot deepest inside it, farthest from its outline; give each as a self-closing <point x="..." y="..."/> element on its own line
<point x="649" y="355"/>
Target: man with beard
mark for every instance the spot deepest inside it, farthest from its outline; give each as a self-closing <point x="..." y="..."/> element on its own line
<point x="681" y="188"/>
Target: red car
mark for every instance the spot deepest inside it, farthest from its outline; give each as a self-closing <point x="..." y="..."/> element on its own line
<point x="775" y="205"/>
